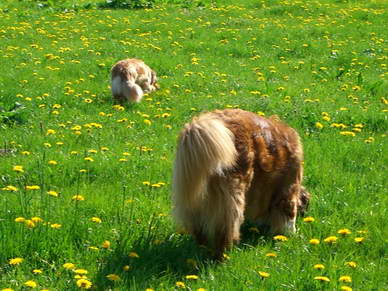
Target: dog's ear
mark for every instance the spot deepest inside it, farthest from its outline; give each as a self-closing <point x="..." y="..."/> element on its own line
<point x="154" y="80"/>
<point x="303" y="202"/>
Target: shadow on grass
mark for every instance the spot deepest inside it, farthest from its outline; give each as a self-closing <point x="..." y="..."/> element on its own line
<point x="146" y="263"/>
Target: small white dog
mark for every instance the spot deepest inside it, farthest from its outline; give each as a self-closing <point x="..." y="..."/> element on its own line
<point x="131" y="78"/>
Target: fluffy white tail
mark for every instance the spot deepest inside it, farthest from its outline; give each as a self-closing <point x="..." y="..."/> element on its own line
<point x="205" y="147"/>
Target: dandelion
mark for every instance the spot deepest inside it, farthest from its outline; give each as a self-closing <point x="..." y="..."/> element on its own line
<point x="191" y="277"/>
<point x="351" y="264"/>
<point x="20" y="219"/>
<point x="314" y="241"/>
<point x="78" y="197"/>
<point x="309" y="219"/>
<point x="52" y="162"/>
<point x="180" y="284"/>
<point x="113" y="277"/>
<point x="32" y="187"/>
<point x="84" y="284"/>
<point x="318" y="267"/>
<point x="280" y="238"/>
<point x="68" y="266"/>
<point x="318" y="125"/>
<point x="344" y="231"/>
<point x="88" y="159"/>
<point x="31" y="284"/>
<point x="322" y="278"/>
<point x="36" y="219"/>
<point x="271" y="255"/>
<point x="29" y="223"/>
<point x="263" y="274"/>
<point x="201" y="289"/>
<point x="10" y="188"/>
<point x="147" y="121"/>
<point x="92" y="248"/>
<point x="15" y="261"/>
<point x="25" y="153"/>
<point x="126" y="268"/>
<point x="80" y="271"/>
<point x="56" y="225"/>
<point x="50" y="131"/>
<point x="346" y="288"/>
<point x="133" y="255"/>
<point x="18" y="169"/>
<point x="37" y="271"/>
<point x="96" y="220"/>
<point x="359" y="239"/>
<point x="52" y="193"/>
<point x="7" y="289"/>
<point x="331" y="239"/>
<point x="106" y="244"/>
<point x="346" y="279"/>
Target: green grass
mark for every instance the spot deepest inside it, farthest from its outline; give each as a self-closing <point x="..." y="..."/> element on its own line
<point x="295" y="59"/>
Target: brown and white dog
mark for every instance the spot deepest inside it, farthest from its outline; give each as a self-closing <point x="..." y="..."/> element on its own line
<point x="131" y="78"/>
<point x="231" y="165"/>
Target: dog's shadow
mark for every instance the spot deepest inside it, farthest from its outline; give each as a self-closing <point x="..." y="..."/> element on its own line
<point x="174" y="257"/>
<point x="144" y="262"/>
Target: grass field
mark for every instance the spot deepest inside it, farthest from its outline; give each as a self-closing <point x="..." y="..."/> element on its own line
<point x="85" y="185"/>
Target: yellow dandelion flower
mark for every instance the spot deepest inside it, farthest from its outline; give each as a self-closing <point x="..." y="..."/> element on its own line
<point x="126" y="268"/>
<point x="88" y="159"/>
<point x="133" y="255"/>
<point x="346" y="288"/>
<point x="113" y="277"/>
<point x="52" y="193"/>
<point x="80" y="271"/>
<point x="83" y="171"/>
<point x="331" y="239"/>
<point x="7" y="289"/>
<point x="96" y="219"/>
<point x="344" y="231"/>
<point x="191" y="277"/>
<point x="271" y="255"/>
<point x="52" y="162"/>
<point x="36" y="219"/>
<point x="56" y="225"/>
<point x="180" y="284"/>
<point x="146" y="183"/>
<point x="347" y="133"/>
<point x="106" y="244"/>
<point x="20" y="219"/>
<point x="68" y="266"/>
<point x="314" y="241"/>
<point x="322" y="278"/>
<point x="32" y="187"/>
<point x="359" y="239"/>
<point x="149" y="289"/>
<point x="18" y="169"/>
<point x="201" y="289"/>
<point x="346" y="279"/>
<point x="93" y="248"/>
<point x="318" y="125"/>
<point x="37" y="271"/>
<point x="280" y="238"/>
<point x="50" y="131"/>
<point x="351" y="264"/>
<point x="29" y="223"/>
<point x="84" y="284"/>
<point x="25" y="153"/>
<point x="10" y="188"/>
<point x="31" y="284"/>
<point x="15" y="261"/>
<point x="147" y="121"/>
<point x="309" y="219"/>
<point x="78" y="197"/>
<point x="264" y="274"/>
<point x="318" y="267"/>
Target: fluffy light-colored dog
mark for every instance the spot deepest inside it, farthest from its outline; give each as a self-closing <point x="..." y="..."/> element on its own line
<point x="231" y="165"/>
<point x="131" y="78"/>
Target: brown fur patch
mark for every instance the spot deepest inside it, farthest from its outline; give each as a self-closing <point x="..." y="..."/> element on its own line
<point x="237" y="166"/>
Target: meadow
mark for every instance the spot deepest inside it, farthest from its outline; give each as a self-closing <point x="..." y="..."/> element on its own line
<point x="85" y="184"/>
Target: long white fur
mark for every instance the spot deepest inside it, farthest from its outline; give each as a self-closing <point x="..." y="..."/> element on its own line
<point x="127" y="88"/>
<point x="205" y="147"/>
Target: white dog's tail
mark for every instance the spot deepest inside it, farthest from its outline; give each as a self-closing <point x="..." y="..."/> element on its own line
<point x="123" y="85"/>
<point x="205" y="147"/>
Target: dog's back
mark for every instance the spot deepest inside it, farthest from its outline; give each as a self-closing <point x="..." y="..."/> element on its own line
<point x="260" y="179"/>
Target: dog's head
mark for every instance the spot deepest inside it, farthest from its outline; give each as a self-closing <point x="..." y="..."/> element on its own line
<point x="154" y="80"/>
<point x="303" y="201"/>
